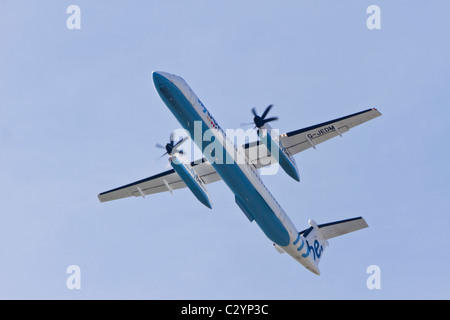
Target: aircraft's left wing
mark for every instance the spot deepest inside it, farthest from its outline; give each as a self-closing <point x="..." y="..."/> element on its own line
<point x="165" y="181"/>
<point x="303" y="139"/>
<point x="300" y="140"/>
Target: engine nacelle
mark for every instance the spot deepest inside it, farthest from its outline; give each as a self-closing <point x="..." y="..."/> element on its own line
<point x="268" y="136"/>
<point x="191" y="179"/>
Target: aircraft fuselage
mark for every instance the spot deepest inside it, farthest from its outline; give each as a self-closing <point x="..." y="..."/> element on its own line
<point x="251" y="195"/>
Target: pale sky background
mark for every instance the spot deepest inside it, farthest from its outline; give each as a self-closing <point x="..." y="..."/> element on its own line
<point x="79" y="115"/>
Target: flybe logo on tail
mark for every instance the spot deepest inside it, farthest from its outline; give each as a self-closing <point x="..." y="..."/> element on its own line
<point x="316" y="250"/>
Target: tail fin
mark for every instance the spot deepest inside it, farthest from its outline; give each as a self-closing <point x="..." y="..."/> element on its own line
<point x="316" y="236"/>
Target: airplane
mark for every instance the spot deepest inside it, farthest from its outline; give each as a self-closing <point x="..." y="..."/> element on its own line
<point x="241" y="174"/>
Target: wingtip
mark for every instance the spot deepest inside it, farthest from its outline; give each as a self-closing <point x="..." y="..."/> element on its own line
<point x="100" y="198"/>
<point x="376" y="110"/>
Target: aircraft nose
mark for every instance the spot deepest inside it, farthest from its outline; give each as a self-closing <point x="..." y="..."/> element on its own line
<point x="159" y="76"/>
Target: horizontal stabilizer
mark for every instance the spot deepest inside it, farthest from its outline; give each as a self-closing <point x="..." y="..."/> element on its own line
<point x="338" y="228"/>
<point x="314" y="240"/>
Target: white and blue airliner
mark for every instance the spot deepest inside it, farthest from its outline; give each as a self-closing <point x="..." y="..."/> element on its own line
<point x="240" y="170"/>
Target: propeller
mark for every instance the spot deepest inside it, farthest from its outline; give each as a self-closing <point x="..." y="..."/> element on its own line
<point x="260" y="121"/>
<point x="172" y="147"/>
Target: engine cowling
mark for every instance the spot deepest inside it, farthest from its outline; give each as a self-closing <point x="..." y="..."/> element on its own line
<point x="191" y="179"/>
<point x="269" y="137"/>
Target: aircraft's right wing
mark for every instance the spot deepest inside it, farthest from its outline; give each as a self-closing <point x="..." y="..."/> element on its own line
<point x="302" y="139"/>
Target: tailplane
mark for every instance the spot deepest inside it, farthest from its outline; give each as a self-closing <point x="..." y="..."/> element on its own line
<point x="317" y="235"/>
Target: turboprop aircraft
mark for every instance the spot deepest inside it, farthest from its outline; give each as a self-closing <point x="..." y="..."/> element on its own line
<point x="240" y="170"/>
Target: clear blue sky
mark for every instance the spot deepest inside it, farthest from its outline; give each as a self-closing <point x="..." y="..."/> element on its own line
<point x="79" y="115"/>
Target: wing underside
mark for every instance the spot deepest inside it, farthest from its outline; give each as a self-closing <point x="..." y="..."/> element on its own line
<point x="303" y="139"/>
<point x="166" y="181"/>
<point x="257" y="153"/>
